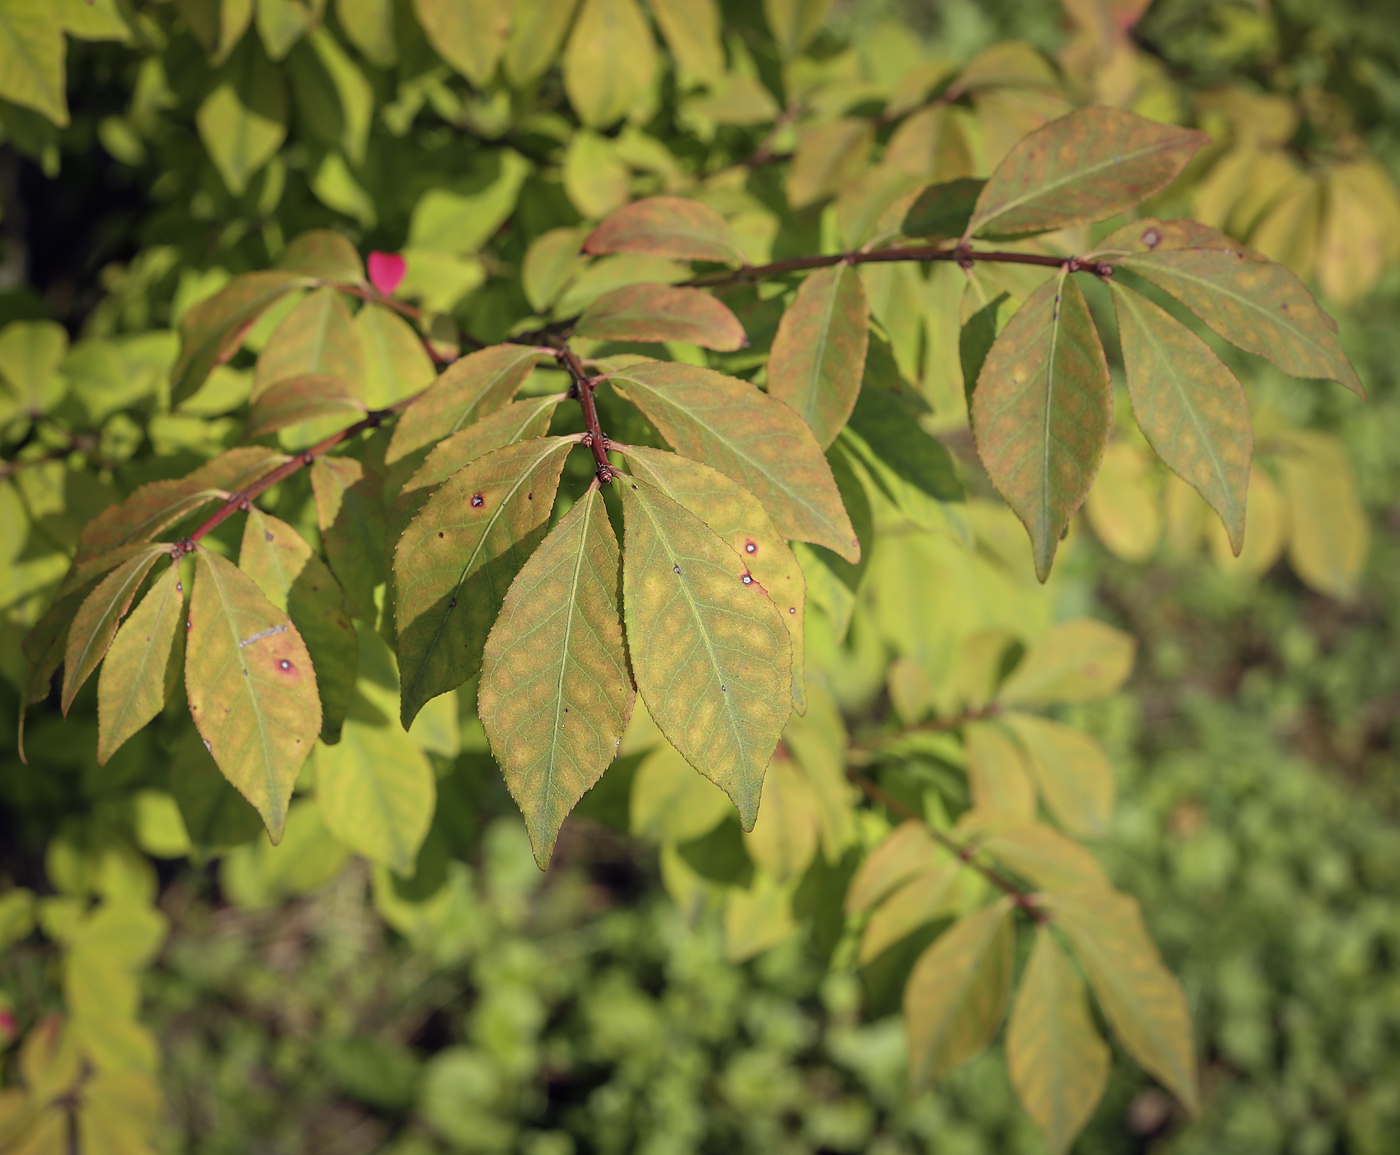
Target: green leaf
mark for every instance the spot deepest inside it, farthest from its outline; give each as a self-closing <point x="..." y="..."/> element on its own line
<point x="324" y="253"/>
<point x="535" y="38"/>
<point x="295" y="400"/>
<point x="351" y="516"/>
<point x="316" y="337"/>
<point x="212" y="331"/>
<point x="884" y="431"/>
<point x="710" y="653"/>
<point x="1042" y="410"/>
<point x="1251" y="302"/>
<point x="750" y="437"/>
<point x="692" y="32"/>
<point x="1191" y="408"/>
<point x="783" y="841"/>
<point x="670" y="802"/>
<point x="457" y="558"/>
<point x="930" y="895"/>
<point x="1076" y="661"/>
<point x="596" y="178"/>
<point x="217" y="24"/>
<point x="942" y="211"/>
<point x="997" y="774"/>
<point x="907" y="852"/>
<point x="976" y="338"/>
<point x="216" y="815"/>
<point x="369" y="26"/>
<point x="1328" y="531"/>
<point x="96" y="622"/>
<point x="281" y="23"/>
<point x="30" y="355"/>
<point x="1057" y="1060"/>
<point x="550" y="263"/>
<point x="1070" y="770"/>
<point x="244" y="120"/>
<point x="827" y="157"/>
<point x="31" y="57"/>
<point x="794" y="23"/>
<point x="818" y="356"/>
<point x="957" y="992"/>
<point x="251" y="687"/>
<point x="469" y="34"/>
<point x="461" y="222"/>
<point x="1037" y="852"/>
<point x="294" y="579"/>
<point x="664" y="226"/>
<point x="610" y="61"/>
<point x="738" y="518"/>
<point x="1086" y="166"/>
<point x="1143" y="1002"/>
<point x="141" y="665"/>
<point x="651" y="312"/>
<point x="555" y="691"/>
<point x="396" y="364"/>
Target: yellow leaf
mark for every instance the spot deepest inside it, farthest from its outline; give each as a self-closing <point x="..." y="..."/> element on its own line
<point x="997" y="772"/>
<point x="1329" y="534"/>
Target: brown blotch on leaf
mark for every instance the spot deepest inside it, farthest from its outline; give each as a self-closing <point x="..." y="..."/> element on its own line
<point x="478" y="501"/>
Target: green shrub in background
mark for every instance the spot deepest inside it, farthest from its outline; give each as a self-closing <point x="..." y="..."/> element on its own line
<point x="932" y="662"/>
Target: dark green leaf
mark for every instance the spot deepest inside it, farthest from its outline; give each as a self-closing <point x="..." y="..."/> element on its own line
<point x="943" y="210"/>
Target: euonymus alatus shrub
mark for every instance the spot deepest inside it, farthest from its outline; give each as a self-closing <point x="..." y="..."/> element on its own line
<point x="610" y="481"/>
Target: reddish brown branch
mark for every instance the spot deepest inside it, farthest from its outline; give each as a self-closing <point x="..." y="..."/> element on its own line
<point x="582" y="388"/>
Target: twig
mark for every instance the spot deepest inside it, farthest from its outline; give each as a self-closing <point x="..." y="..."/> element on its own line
<point x="373" y="296"/>
<point x="764" y="154"/>
<point x="935" y="725"/>
<point x="582" y="389"/>
<point x="77" y="443"/>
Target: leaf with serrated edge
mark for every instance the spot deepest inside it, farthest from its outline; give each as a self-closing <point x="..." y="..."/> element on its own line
<point x="135" y="678"/>
<point x="555" y="691"/>
<point x="456" y="560"/>
<point x="297" y="399"/>
<point x="652" y="312"/>
<point x="1042" y="410"/>
<point x="1076" y="661"/>
<point x="1190" y="407"/>
<point x="996" y="771"/>
<point x="1251" y="302"/>
<point x="251" y="688"/>
<point x="740" y="519"/>
<point x="818" y="355"/>
<point x="906" y="852"/>
<point x="1056" y="1057"/>
<point x="957" y="992"/>
<point x="317" y="338"/>
<point x="1070" y="770"/>
<point x="1141" y="999"/>
<point x="1086" y="166"/>
<point x="751" y="438"/>
<point x="294" y="578"/>
<point x="710" y="653"/>
<point x="674" y="227"/>
<point x="96" y="622"/>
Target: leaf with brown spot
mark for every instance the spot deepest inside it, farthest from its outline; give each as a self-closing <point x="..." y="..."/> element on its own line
<point x="296" y="399"/>
<point x="818" y="356"/>
<point x="317" y="338"/>
<point x="1042" y="410"/>
<point x="710" y="654"/>
<point x="684" y="230"/>
<point x="556" y="693"/>
<point x="654" y="312"/>
<point x="141" y="665"/>
<point x="458" y="557"/>
<point x="251" y="687"/>
<point x="96" y="622"/>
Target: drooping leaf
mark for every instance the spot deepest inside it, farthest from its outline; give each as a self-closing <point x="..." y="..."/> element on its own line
<point x="351" y="516"/>
<point x="650" y="312"/>
<point x="396" y="364"/>
<point x="927" y="896"/>
<point x="1086" y="166"/>
<point x="550" y="263"/>
<point x="32" y="49"/>
<point x="294" y="579"/>
<point x="535" y="38"/>
<point x="251" y="687"/>
<point x="818" y="355"/>
<point x="136" y="678"/>
<point x="1070" y="770"/>
<point x="317" y="337"/>
<point x="297" y="399"/>
<point x="469" y="34"/>
<point x="212" y="331"/>
<point x="1076" y="661"/>
<point x="783" y="842"/>
<point x="997" y="774"/>
<point x="1141" y="999"/>
<point x="96" y="622"/>
<point x="957" y="993"/>
<point x="555" y="691"/>
<point x="324" y="253"/>
<point x="740" y="519"/>
<point x="709" y="650"/>
<point x="1057" y="1060"/>
<point x="665" y="226"/>
<point x="1042" y="410"/>
<point x="692" y="31"/>
<point x="601" y="88"/>
<point x="942" y="211"/>
<point x="750" y="437"/>
<point x="827" y="157"/>
<point x="456" y="560"/>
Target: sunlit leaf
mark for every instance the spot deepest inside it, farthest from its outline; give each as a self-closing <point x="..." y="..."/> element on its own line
<point x="1042" y="410"/>
<point x="1057" y="1060"/>
<point x="458" y="557"/>
<point x="670" y="802"/>
<point x="298" y="399"/>
<point x="369" y="26"/>
<point x="1124" y="507"/>
<point x="827" y="157"/>
<point x="750" y="437"/>
<point x="1076" y="661"/>
<point x="396" y="364"/>
<point x="1267" y="529"/>
<point x="1071" y="771"/>
<point x="650" y="312"/>
<point x="710" y="652"/>
<point x="957" y="993"/>
<point x="998" y="777"/>
<point x="692" y="32"/>
<point x="905" y="853"/>
<point x="1330" y="534"/>
<point x="535" y="38"/>
<point x="137" y="675"/>
<point x="317" y="337"/>
<point x="1086" y="166"/>
<point x="251" y="687"/>
<point x="915" y="903"/>
<point x="324" y="253"/>
<point x="31" y="58"/>
<point x="675" y="227"/>
<point x="794" y="23"/>
<point x="555" y="691"/>
<point x="469" y="34"/>
<point x="783" y="841"/>
<point x="351" y="516"/>
<point x="243" y="121"/>
<point x="96" y="622"/>
<point x="601" y="87"/>
<point x="550" y="263"/>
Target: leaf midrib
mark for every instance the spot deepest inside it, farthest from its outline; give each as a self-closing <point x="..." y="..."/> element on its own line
<point x="132" y="572"/>
<point x="815" y="378"/>
<point x="565" y="648"/>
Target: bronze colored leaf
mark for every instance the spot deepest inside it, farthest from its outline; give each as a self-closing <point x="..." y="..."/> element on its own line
<point x="709" y="650"/>
<point x="652" y="312"/>
<point x="818" y="356"/>
<point x="317" y="337"/>
<point x="96" y="622"/>
<point x="750" y="437"/>
<point x="297" y="399"/>
<point x="684" y="230"/>
<point x="1042" y="410"/>
<point x="136" y="678"/>
<point x="517" y="421"/>
<point x="555" y="691"/>
<point x="1086" y="166"/>
<point x="251" y="687"/>
<point x="456" y="560"/>
<point x="1190" y="407"/>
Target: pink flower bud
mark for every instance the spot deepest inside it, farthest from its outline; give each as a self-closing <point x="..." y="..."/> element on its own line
<point x="386" y="271"/>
